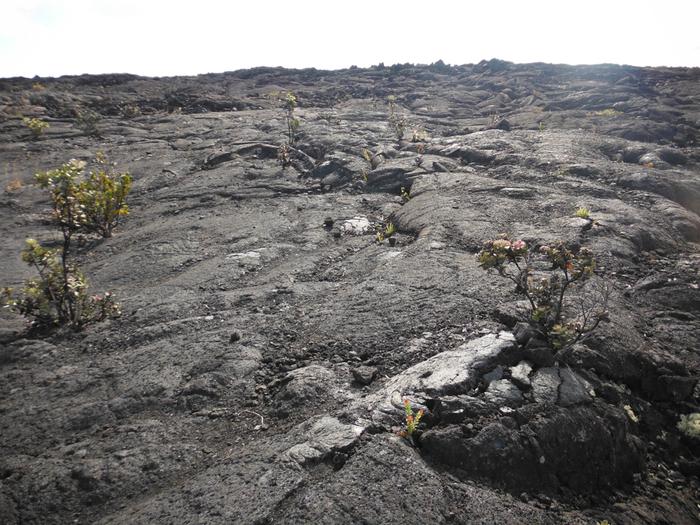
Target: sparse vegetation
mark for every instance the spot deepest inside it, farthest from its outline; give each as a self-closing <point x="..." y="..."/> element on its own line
<point x="36" y="126"/>
<point x="583" y="213"/>
<point x="405" y="194"/>
<point x="545" y="279"/>
<point x="387" y="232"/>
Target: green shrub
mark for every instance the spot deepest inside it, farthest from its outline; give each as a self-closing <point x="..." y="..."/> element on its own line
<point x="544" y="278"/>
<point x="59" y="295"/>
<point x="36" y="126"/>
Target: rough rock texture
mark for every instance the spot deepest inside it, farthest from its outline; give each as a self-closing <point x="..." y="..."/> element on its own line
<point x="268" y="342"/>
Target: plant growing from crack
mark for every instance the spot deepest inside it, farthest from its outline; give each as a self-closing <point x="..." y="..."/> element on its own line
<point x="405" y="194"/>
<point x="387" y="232"/>
<point x="412" y="419"/>
<point x="545" y="277"/>
<point x="59" y="296"/>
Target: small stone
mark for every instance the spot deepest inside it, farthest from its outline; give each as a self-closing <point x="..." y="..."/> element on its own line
<point x="364" y="374"/>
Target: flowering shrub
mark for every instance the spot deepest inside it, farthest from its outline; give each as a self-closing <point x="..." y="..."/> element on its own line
<point x="544" y="278"/>
<point x="36" y="126"/>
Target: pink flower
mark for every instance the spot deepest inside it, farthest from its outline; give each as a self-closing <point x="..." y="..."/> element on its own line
<point x="519" y="245"/>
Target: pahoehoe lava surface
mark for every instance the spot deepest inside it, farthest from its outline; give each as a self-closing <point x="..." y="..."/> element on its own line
<point x="257" y="372"/>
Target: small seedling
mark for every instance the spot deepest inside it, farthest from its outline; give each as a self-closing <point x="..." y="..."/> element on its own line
<point x="36" y="126"/>
<point x="541" y="126"/>
<point x="405" y="194"/>
<point x="583" y="213"/>
<point x="412" y="419"/>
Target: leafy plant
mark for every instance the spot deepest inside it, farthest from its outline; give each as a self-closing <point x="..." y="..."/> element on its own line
<point x="387" y="232"/>
<point x="36" y="126"/>
<point x="412" y="419"/>
<point x="396" y="121"/>
<point x="583" y="213"/>
<point x="95" y="203"/>
<point x="405" y="194"/>
<point x="544" y="278"/>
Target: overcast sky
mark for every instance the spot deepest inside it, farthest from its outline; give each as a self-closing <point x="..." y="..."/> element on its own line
<point x="173" y="37"/>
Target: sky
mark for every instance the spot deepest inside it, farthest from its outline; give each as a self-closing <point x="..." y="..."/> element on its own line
<point x="185" y="37"/>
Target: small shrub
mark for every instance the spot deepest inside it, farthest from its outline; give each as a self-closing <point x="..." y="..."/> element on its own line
<point x="293" y="123"/>
<point x="583" y="213"/>
<point x="36" y="126"/>
<point x="38" y="86"/>
<point x="405" y="194"/>
<point x="86" y="120"/>
<point x="130" y="110"/>
<point x="544" y="278"/>
<point x="690" y="425"/>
